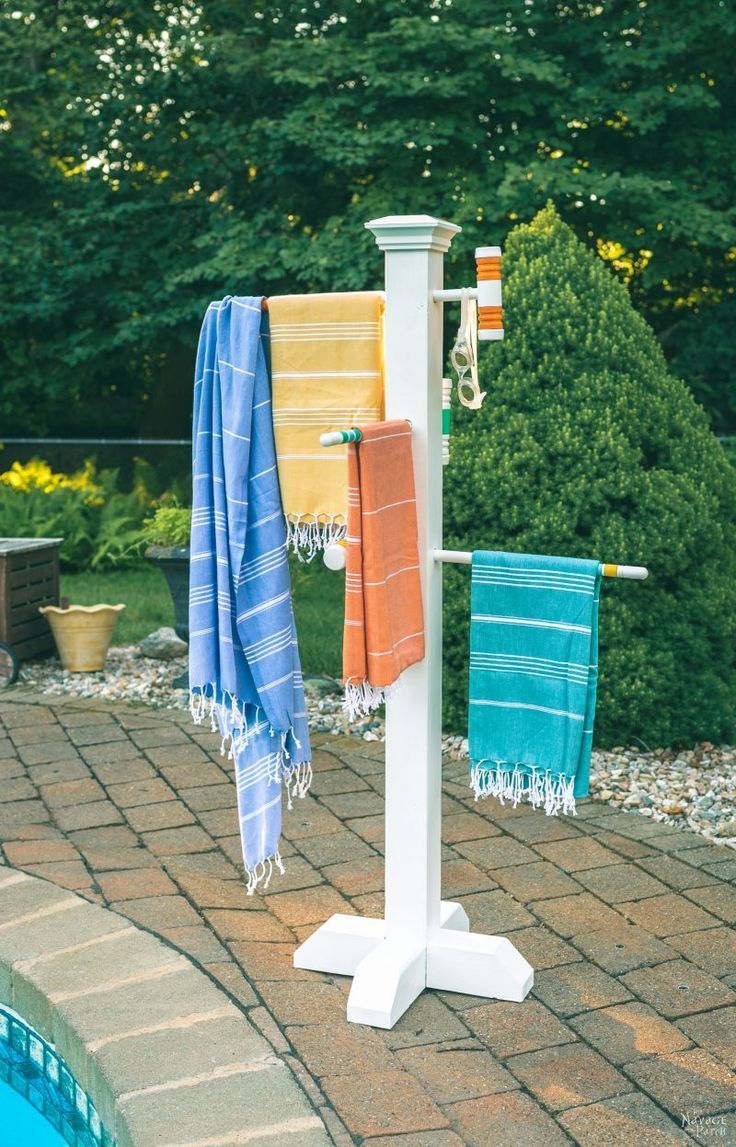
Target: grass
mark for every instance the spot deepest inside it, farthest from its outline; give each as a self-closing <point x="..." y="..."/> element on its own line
<point x="142" y="588"/>
<point x="318" y="606"/>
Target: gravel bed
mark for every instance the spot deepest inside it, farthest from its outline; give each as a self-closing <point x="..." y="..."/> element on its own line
<point x="693" y="788"/>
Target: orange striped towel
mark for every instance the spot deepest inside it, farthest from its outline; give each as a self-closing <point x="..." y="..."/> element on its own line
<point x="384" y="623"/>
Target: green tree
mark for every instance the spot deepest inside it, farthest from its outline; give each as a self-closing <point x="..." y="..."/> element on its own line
<point x="157" y="154"/>
<point x="586" y="446"/>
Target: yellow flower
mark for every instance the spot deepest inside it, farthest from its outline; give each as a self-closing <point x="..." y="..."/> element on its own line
<point x="38" y="475"/>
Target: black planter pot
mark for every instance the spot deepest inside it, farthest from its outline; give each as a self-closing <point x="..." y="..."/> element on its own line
<point x="173" y="561"/>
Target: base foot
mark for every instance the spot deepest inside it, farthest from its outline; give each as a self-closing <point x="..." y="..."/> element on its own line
<point x="389" y="974"/>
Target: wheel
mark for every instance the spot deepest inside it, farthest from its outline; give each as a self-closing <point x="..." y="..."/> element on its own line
<point x="9" y="666"/>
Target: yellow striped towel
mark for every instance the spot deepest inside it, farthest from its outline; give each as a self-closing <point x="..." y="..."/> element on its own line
<point x="327" y="371"/>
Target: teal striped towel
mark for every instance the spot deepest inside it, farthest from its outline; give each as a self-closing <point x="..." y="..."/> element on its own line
<point x="533" y="677"/>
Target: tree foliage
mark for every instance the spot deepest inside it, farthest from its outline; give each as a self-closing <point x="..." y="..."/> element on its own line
<point x="586" y="446"/>
<point x="155" y="154"/>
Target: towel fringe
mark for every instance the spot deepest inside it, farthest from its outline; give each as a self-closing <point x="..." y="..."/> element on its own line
<point x="263" y="871"/>
<point x="361" y="699"/>
<point x="511" y="783"/>
<point x="306" y="536"/>
<point x="230" y="717"/>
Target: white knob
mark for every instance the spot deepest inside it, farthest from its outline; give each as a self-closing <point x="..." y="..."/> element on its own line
<point x="334" y="556"/>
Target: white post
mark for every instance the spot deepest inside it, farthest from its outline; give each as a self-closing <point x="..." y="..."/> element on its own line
<point x="422" y="942"/>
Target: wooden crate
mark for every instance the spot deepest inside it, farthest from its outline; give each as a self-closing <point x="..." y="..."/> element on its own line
<point x="29" y="577"/>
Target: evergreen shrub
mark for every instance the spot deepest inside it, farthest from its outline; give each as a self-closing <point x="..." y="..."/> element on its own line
<point x="586" y="446"/>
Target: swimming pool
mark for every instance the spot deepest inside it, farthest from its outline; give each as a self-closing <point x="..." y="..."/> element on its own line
<point x="41" y="1103"/>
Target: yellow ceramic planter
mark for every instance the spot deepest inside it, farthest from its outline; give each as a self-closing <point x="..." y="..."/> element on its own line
<point x="82" y="634"/>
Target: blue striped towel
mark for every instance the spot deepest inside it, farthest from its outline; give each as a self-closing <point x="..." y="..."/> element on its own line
<point x="533" y="677"/>
<point x="244" y="671"/>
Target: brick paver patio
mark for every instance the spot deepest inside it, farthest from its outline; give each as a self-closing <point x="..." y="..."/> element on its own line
<point x="629" y="1034"/>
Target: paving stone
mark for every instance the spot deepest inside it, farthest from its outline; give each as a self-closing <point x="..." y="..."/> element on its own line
<point x="146" y="791"/>
<point x="495" y="913"/>
<point x="687" y="1082"/>
<point x="213" y="891"/>
<point x="720" y="899"/>
<point x="676" y="872"/>
<point x="58" y="771"/>
<point x="368" y="828"/>
<point x="151" y="817"/>
<point x="58" y="796"/>
<point x="136" y="883"/>
<point x="715" y="1031"/>
<point x="158" y="737"/>
<point x="629" y="1031"/>
<point x="543" y="949"/>
<point x="16" y="789"/>
<point x="714" y="949"/>
<point x="308" y="906"/>
<point x="676" y="841"/>
<point x="230" y="977"/>
<point x="41" y="754"/>
<point x="20" y="852"/>
<point x="17" y="814"/>
<point x="451" y="1072"/>
<point x="120" y="756"/>
<point x="707" y="854"/>
<point x="496" y="852"/>
<point x="621" y="882"/>
<point x="510" y="1118"/>
<point x="334" y="848"/>
<point x="540" y="881"/>
<point x="723" y="870"/>
<point x="340" y="780"/>
<point x="428" y="1020"/>
<point x="71" y="874"/>
<point x="196" y="941"/>
<point x="206" y="797"/>
<point x="340" y="1049"/>
<point x="354" y="804"/>
<point x="508" y="1029"/>
<point x="623" y="947"/>
<point x="245" y="925"/>
<point x="268" y="960"/>
<point x="567" y="1076"/>
<point x="157" y="912"/>
<point x="420" y="1139"/>
<point x="222" y="821"/>
<point x="92" y="815"/>
<point x="573" y="988"/>
<point x="621" y="1122"/>
<point x="188" y="776"/>
<point x="571" y="915"/>
<point x="678" y="988"/>
<point x="354" y="877"/>
<point x="299" y="874"/>
<point x="631" y="849"/>
<point x="10" y="766"/>
<point x="97" y="733"/>
<point x="308" y="818"/>
<point x="108" y="837"/>
<point x="20" y="895"/>
<point x="301" y="1002"/>
<point x="174" y="841"/>
<point x="577" y="854"/>
<point x="535" y="829"/>
<point x="376" y="1102"/>
<point x="666" y="915"/>
<point x="464" y="826"/>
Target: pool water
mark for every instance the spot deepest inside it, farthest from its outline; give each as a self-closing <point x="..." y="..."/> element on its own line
<point x="21" y="1125"/>
<point x="41" y="1103"/>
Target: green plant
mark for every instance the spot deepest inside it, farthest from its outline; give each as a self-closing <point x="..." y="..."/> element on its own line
<point x="169" y="526"/>
<point x="98" y="524"/>
<point x="586" y="446"/>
